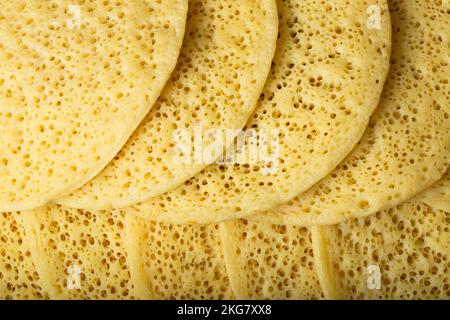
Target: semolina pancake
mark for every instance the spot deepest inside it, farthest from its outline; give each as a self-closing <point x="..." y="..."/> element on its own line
<point x="407" y="145"/>
<point x="326" y="80"/>
<point x="76" y="79"/>
<point x="223" y="65"/>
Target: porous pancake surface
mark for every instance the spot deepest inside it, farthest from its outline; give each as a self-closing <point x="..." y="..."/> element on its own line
<point x="267" y="261"/>
<point x="80" y="254"/>
<point x="326" y="80"/>
<point x="76" y="78"/>
<point x="438" y="195"/>
<point x="19" y="277"/>
<point x="223" y="65"/>
<point x="177" y="261"/>
<point x="401" y="253"/>
<point x="407" y="145"/>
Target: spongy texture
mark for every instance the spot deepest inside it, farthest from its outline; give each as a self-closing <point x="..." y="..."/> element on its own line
<point x="326" y="80"/>
<point x="224" y="63"/>
<point x="269" y="262"/>
<point x="410" y="244"/>
<point x="178" y="261"/>
<point x="76" y="78"/>
<point x="83" y="254"/>
<point x="438" y="195"/>
<point x="19" y="278"/>
<point x="407" y="145"/>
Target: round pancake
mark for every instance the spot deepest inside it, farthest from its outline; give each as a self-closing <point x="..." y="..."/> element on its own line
<point x="224" y="63"/>
<point x="326" y="80"/>
<point x="177" y="262"/>
<point x="107" y="255"/>
<point x="80" y="254"/>
<point x="269" y="261"/>
<point x="401" y="253"/>
<point x="407" y="145"/>
<point x="75" y="82"/>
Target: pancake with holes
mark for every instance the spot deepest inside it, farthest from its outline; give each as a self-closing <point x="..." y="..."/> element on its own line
<point x="19" y="276"/>
<point x="401" y="253"/>
<point x="177" y="261"/>
<point x="80" y="254"/>
<point x="75" y="82"/>
<point x="326" y="80"/>
<point x="224" y="63"/>
<point x="438" y="195"/>
<point x="407" y="145"/>
<point x="267" y="261"/>
<point x="113" y="256"/>
<point x="109" y="255"/>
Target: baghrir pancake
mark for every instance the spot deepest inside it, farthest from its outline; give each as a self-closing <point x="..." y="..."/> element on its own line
<point x="75" y="82"/>
<point x="223" y="65"/>
<point x="407" y="145"/>
<point x="326" y="80"/>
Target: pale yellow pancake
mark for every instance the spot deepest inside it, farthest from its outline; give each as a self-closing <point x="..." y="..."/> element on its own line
<point x="407" y="145"/>
<point x="270" y="261"/>
<point x="224" y="63"/>
<point x="326" y="80"/>
<point x="76" y="79"/>
<point x="402" y="253"/>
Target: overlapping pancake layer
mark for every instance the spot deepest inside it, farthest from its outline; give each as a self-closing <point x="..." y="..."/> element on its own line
<point x="407" y="145"/>
<point x="76" y="79"/>
<point x="324" y="84"/>
<point x="402" y="253"/>
<point x="326" y="80"/>
<point x="269" y="262"/>
<point x="19" y="276"/>
<point x="224" y="63"/>
<point x="438" y="195"/>
<point x="177" y="261"/>
<point x="80" y="254"/>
